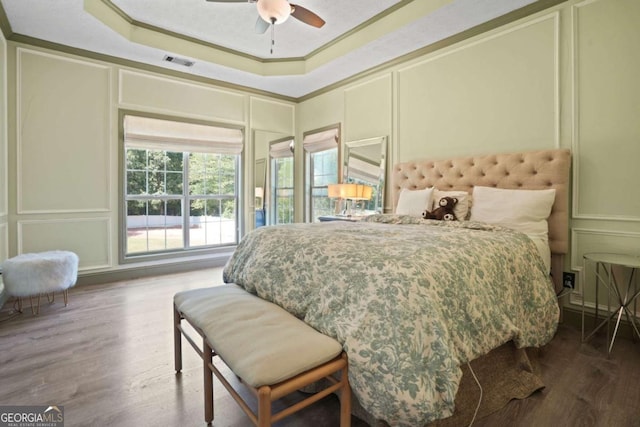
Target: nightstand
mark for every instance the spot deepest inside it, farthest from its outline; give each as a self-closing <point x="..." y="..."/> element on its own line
<point x="624" y="296"/>
<point x="326" y="218"/>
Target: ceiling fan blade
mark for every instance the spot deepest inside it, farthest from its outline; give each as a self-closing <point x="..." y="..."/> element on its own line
<point x="306" y="16"/>
<point x="261" y="26"/>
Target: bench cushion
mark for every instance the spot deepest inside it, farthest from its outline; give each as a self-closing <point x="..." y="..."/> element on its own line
<point x="261" y="342"/>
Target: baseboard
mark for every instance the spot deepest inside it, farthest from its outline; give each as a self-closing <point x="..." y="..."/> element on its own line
<point x="136" y="272"/>
<point x="573" y="317"/>
<point x="3" y="297"/>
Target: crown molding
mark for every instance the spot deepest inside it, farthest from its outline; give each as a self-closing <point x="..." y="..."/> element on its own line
<point x="523" y="12"/>
<point x="404" y="13"/>
<point x="508" y="18"/>
<point x="5" y="26"/>
<point x="32" y="41"/>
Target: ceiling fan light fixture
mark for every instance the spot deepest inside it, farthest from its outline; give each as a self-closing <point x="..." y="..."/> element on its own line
<point x="274" y="11"/>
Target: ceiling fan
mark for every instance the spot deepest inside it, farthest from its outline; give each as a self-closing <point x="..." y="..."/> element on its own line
<point x="274" y="12"/>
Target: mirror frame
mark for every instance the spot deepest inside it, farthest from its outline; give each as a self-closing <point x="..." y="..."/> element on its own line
<point x="380" y="187"/>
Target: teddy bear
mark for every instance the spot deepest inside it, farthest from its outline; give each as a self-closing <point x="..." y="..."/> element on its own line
<point x="444" y="212"/>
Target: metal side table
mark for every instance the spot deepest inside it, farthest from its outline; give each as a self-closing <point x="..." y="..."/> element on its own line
<point x="624" y="296"/>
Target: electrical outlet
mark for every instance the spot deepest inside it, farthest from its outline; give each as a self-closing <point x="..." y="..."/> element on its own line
<point x="569" y="280"/>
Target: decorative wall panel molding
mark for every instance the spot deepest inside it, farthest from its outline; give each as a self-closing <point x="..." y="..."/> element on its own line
<point x="4" y="135"/>
<point x="167" y="95"/>
<point x="63" y="134"/>
<point x="585" y="240"/>
<point x="495" y="92"/>
<point x="89" y="238"/>
<point x="368" y="109"/>
<point x="4" y="242"/>
<point x="271" y="115"/>
<point x="606" y="90"/>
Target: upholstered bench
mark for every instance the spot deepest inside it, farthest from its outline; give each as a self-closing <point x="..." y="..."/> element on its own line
<point x="271" y="351"/>
<point x="33" y="274"/>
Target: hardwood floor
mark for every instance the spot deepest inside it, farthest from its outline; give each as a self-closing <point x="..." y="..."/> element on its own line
<point x="108" y="359"/>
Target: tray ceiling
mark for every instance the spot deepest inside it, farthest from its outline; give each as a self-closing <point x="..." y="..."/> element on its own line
<point x="219" y="37"/>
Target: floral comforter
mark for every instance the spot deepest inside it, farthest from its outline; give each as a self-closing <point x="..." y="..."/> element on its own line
<point x="410" y="300"/>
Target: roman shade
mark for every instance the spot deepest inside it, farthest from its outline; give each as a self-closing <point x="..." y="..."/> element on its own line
<point x="158" y="134"/>
<point x="365" y="171"/>
<point x="281" y="149"/>
<point x="321" y="141"/>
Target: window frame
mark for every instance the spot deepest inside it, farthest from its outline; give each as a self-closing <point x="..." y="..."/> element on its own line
<point x="184" y="251"/>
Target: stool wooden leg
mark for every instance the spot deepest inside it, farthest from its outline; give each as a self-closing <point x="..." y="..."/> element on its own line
<point x="207" y="358"/>
<point x="17" y="304"/>
<point x="264" y="406"/>
<point x="35" y="310"/>
<point x="345" y="396"/>
<point x="177" y="340"/>
<point x="65" y="294"/>
<point x="52" y="299"/>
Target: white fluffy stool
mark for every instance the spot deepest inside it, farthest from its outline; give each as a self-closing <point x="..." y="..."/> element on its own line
<point x="30" y="275"/>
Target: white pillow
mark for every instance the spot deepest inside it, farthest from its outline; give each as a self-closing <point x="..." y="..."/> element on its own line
<point x="461" y="209"/>
<point x="414" y="202"/>
<point x="522" y="210"/>
<point x="544" y="250"/>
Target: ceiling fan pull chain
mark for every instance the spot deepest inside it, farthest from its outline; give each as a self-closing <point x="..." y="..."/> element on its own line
<point x="273" y="32"/>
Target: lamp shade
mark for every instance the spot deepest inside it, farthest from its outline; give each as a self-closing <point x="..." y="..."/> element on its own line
<point x="367" y="192"/>
<point x="333" y="191"/>
<point x="350" y="191"/>
<point x="274" y="11"/>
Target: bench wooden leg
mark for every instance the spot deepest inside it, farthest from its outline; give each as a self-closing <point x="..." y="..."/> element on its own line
<point x="207" y="359"/>
<point x="345" y="395"/>
<point x="264" y="406"/>
<point x="177" y="340"/>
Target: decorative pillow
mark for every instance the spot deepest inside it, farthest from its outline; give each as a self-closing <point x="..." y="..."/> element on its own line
<point x="414" y="202"/>
<point x="522" y="210"/>
<point x="462" y="207"/>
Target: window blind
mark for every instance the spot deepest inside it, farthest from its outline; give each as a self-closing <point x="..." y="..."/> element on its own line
<point x="281" y="149"/>
<point x="158" y="134"/>
<point x="321" y="141"/>
<point x="363" y="171"/>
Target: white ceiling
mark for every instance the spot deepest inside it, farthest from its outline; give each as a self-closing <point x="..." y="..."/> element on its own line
<point x="305" y="58"/>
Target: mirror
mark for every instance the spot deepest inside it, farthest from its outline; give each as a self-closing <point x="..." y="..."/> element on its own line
<point x="260" y="178"/>
<point x="273" y="171"/>
<point x="281" y="178"/>
<point x="365" y="163"/>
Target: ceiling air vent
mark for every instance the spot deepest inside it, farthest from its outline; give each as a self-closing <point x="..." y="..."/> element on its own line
<point x="177" y="60"/>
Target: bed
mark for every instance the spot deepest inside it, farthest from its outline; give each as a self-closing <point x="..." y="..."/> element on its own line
<point x="413" y="301"/>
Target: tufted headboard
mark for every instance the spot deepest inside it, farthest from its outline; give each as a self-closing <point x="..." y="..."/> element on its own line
<point x="532" y="170"/>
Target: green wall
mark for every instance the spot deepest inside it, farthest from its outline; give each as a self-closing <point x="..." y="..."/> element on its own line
<point x="4" y="229"/>
<point x="64" y="148"/>
<point x="562" y="78"/>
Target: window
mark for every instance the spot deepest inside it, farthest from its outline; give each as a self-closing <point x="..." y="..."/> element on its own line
<point x="180" y="189"/>
<point x="322" y="160"/>
<point x="281" y="204"/>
